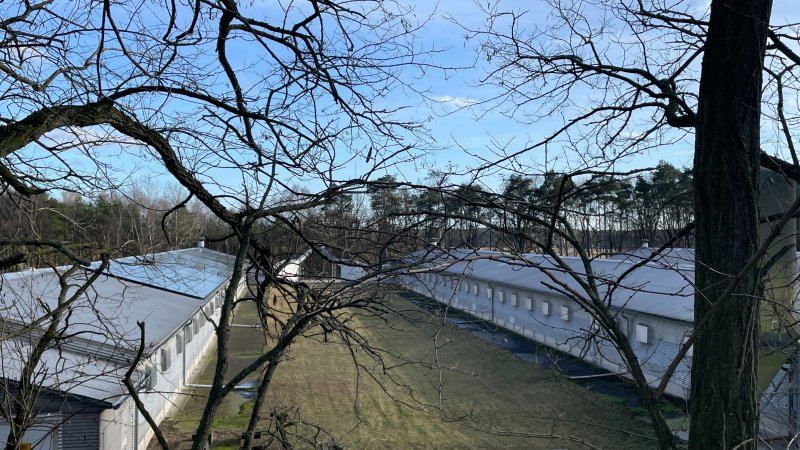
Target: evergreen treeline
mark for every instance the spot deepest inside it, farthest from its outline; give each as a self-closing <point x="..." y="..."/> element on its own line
<point x="608" y="214"/>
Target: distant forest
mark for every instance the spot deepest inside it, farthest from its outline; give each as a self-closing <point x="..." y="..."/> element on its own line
<point x="608" y="215"/>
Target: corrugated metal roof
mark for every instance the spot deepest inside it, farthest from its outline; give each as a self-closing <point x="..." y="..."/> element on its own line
<point x="654" y="288"/>
<point x="193" y="271"/>
<point x="110" y="308"/>
<point x="66" y="372"/>
<point x="102" y="332"/>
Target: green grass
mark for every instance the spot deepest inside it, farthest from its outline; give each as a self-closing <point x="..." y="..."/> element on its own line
<point x="768" y="365"/>
<point x="479" y="389"/>
<point x="668" y="409"/>
<point x="465" y="393"/>
<point x="234" y="411"/>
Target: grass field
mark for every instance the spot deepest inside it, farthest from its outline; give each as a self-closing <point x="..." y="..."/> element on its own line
<point x="464" y="393"/>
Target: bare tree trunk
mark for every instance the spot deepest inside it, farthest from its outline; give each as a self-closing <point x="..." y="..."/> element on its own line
<point x="217" y="393"/>
<point x="258" y="404"/>
<point x="724" y="407"/>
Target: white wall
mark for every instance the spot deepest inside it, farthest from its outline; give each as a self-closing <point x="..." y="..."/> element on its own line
<point x="183" y="367"/>
<point x="553" y="330"/>
<point x="117" y="427"/>
<point x="172" y="382"/>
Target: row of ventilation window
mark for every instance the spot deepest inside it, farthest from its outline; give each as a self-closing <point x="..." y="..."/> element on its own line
<point x="189" y="330"/>
<point x="642" y="331"/>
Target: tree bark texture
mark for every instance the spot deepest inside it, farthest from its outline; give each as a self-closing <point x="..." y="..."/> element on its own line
<point x="724" y="403"/>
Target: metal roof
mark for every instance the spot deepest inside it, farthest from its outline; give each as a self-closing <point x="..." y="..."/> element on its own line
<point x="195" y="272"/>
<point x="102" y="332"/>
<point x="654" y="288"/>
<point x="71" y="373"/>
<point x="109" y="309"/>
<point x="672" y="256"/>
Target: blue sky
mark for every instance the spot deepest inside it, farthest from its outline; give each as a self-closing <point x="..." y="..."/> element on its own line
<point x="465" y="131"/>
<point x="459" y="121"/>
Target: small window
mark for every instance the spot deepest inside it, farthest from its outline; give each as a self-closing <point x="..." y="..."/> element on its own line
<point x="489" y="292"/>
<point x="466" y="287"/>
<point x="179" y="342"/>
<point x="501" y="297"/>
<point x="513" y="299"/>
<point x="565" y="316"/>
<point x="546" y="308"/>
<point x="529" y="303"/>
<point x="196" y="325"/>
<point x="642" y="333"/>
<point x="475" y="288"/>
<point x="165" y="359"/>
<point x="187" y="332"/>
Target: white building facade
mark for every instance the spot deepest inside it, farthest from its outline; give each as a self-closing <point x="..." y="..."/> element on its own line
<point x="653" y="305"/>
<point x="83" y="403"/>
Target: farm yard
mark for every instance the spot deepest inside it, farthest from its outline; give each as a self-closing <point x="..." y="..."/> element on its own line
<point x="443" y="388"/>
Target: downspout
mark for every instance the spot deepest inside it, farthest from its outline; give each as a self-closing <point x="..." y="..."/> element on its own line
<point x="135" y="427"/>
<point x="627" y="329"/>
<point x="183" y="354"/>
<point x="627" y="332"/>
<point x="492" y="289"/>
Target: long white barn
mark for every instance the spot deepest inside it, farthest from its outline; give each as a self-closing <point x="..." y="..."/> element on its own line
<point x="653" y="303"/>
<point x="83" y="403"/>
<point x="530" y="294"/>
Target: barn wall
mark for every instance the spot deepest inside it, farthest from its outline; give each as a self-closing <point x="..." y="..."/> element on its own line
<point x="560" y="323"/>
<point x="81" y="432"/>
<point x="197" y="338"/>
<point x="44" y="435"/>
<point x="117" y="427"/>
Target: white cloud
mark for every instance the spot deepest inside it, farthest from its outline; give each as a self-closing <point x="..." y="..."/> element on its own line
<point x="458" y="102"/>
<point x="93" y="135"/>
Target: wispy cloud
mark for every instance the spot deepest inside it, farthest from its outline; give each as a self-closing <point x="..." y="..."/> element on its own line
<point x="458" y="102"/>
<point x="94" y="135"/>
